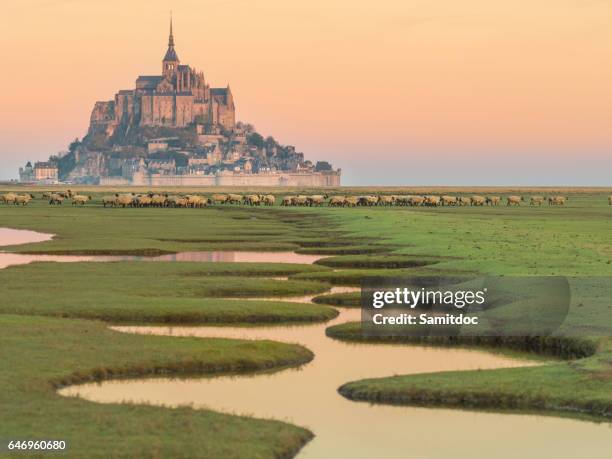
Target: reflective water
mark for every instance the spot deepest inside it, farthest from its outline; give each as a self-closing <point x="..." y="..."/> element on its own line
<point x="307" y="396"/>
<point x="14" y="237"/>
<point x="344" y="429"/>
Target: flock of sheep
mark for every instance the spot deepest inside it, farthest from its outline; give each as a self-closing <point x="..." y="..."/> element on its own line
<point x="412" y="200"/>
<point x="197" y="201"/>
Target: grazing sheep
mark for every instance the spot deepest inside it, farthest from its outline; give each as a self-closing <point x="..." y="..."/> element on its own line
<point x="415" y="201"/>
<point x="196" y="201"/>
<point x="449" y="201"/>
<point x="299" y="200"/>
<point x="219" y="198"/>
<point x="536" y="200"/>
<point x="109" y="201"/>
<point x="514" y="200"/>
<point x="252" y="200"/>
<point x="56" y="199"/>
<point x="337" y="201"/>
<point x="367" y="201"/>
<point x="8" y="198"/>
<point x="234" y="198"/>
<point x="386" y="200"/>
<point x="401" y="200"/>
<point x="432" y="201"/>
<point x="23" y="199"/>
<point x="316" y="200"/>
<point x="159" y="200"/>
<point x="493" y="200"/>
<point x="351" y="201"/>
<point x="464" y="201"/>
<point x="142" y="200"/>
<point x="287" y="200"/>
<point x="80" y="199"/>
<point x="269" y="199"/>
<point x="125" y="200"/>
<point x="477" y="200"/>
<point x="557" y="200"/>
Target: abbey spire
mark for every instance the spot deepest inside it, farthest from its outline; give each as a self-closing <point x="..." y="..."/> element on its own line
<point x="171" y="60"/>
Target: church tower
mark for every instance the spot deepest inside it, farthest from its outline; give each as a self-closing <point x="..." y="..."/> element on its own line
<point x="171" y="60"/>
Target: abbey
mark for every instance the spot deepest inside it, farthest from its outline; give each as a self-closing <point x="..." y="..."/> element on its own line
<point x="173" y="129"/>
<point x="180" y="96"/>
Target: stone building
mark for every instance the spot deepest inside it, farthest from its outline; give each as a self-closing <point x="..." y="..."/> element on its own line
<point x="178" y="97"/>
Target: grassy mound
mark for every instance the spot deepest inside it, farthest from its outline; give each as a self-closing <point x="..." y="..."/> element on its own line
<point x="350" y="299"/>
<point x="577" y="387"/>
<point x="581" y="387"/>
<point x="158" y="292"/>
<point x="355" y="276"/>
<point x="345" y="250"/>
<point x="70" y="351"/>
<point x="377" y="261"/>
<point x="562" y="347"/>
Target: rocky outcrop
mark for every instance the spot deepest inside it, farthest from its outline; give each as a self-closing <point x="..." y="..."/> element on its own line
<point x="102" y="120"/>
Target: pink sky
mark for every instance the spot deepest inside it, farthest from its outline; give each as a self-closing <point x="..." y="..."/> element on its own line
<point x="394" y="92"/>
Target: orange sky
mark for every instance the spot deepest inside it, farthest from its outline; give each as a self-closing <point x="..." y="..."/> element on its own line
<point x="400" y="83"/>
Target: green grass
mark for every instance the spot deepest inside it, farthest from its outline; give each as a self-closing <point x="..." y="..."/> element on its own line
<point x="388" y="261"/>
<point x="350" y="299"/>
<point x="40" y="354"/>
<point x="158" y="292"/>
<point x="580" y="387"/>
<point x="560" y="347"/>
<point x="355" y="276"/>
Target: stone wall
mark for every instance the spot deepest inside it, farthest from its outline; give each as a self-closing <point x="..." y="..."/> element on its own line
<point x="310" y="180"/>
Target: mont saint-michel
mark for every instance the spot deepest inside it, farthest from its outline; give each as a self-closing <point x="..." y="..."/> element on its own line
<point x="175" y="129"/>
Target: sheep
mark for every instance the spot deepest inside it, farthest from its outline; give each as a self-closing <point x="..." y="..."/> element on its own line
<point x="464" y="201"/>
<point x="367" y="200"/>
<point x="300" y="200"/>
<point x="8" y="198"/>
<point x="386" y="200"/>
<point x="316" y="200"/>
<point x="65" y="194"/>
<point x="514" y="200"/>
<point x="337" y="201"/>
<point x="351" y="201"/>
<point x="142" y="200"/>
<point x="557" y="200"/>
<point x="194" y="200"/>
<point x="539" y="200"/>
<point x="219" y="198"/>
<point x="109" y="201"/>
<point x="252" y="199"/>
<point x="125" y="200"/>
<point x="449" y="201"/>
<point x="287" y="200"/>
<point x="234" y="198"/>
<point x="401" y="200"/>
<point x="492" y="200"/>
<point x="269" y="200"/>
<point x="177" y="201"/>
<point x="159" y="200"/>
<point x="416" y="200"/>
<point x="56" y="199"/>
<point x="80" y="199"/>
<point x="610" y="200"/>
<point x="477" y="200"/>
<point x="398" y="200"/>
<point x="433" y="201"/>
<point x="23" y="199"/>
